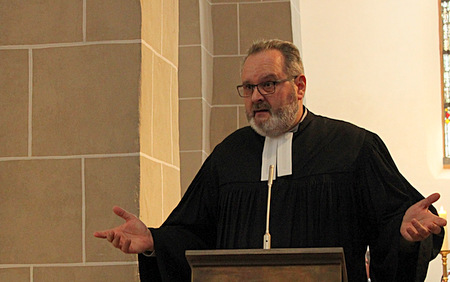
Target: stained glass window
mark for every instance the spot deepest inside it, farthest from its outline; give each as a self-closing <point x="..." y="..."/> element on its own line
<point x="445" y="37"/>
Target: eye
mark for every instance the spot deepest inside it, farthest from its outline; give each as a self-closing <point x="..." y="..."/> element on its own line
<point x="247" y="87"/>
<point x="268" y="85"/>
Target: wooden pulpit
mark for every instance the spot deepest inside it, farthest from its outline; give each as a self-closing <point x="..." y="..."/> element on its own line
<point x="308" y="265"/>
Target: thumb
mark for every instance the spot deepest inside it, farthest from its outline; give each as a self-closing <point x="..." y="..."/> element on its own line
<point x="122" y="213"/>
<point x="428" y="201"/>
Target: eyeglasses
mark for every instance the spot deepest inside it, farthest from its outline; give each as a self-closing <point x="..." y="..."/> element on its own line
<point x="265" y="88"/>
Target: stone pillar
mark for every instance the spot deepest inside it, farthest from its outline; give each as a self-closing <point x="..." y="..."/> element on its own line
<point x="88" y="120"/>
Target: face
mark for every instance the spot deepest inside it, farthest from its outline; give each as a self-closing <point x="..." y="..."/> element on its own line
<point x="274" y="114"/>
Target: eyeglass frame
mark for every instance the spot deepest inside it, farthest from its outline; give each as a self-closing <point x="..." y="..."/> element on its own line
<point x="275" y="83"/>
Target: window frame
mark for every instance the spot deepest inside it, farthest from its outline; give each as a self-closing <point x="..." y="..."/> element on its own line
<point x="442" y="53"/>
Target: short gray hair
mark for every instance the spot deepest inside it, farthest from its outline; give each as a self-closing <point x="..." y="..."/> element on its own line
<point x="293" y="64"/>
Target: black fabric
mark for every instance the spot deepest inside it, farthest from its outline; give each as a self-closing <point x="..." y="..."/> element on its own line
<point x="148" y="269"/>
<point x="345" y="191"/>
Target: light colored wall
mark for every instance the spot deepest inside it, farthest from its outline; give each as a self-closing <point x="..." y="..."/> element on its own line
<point x="159" y="135"/>
<point x="80" y="132"/>
<point x="214" y="37"/>
<point x="376" y="64"/>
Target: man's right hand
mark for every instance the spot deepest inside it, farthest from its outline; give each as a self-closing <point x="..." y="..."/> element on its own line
<point x="132" y="237"/>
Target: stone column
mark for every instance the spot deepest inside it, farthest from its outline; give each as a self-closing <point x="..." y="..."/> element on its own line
<point x="88" y="120"/>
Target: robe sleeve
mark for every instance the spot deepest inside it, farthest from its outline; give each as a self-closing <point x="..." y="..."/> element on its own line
<point x="191" y="226"/>
<point x="386" y="195"/>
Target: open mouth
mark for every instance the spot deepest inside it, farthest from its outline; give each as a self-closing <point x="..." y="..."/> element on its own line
<point x="260" y="111"/>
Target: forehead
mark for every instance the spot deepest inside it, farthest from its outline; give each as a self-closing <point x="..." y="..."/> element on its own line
<point x="268" y="63"/>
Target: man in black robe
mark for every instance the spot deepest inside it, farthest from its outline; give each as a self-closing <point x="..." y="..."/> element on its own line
<point x="336" y="185"/>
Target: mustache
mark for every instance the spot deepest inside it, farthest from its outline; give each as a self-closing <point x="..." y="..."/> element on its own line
<point x="261" y="106"/>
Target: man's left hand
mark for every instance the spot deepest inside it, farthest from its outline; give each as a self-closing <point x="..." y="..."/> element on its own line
<point x="419" y="223"/>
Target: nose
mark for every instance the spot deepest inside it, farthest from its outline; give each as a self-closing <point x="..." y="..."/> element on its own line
<point x="256" y="95"/>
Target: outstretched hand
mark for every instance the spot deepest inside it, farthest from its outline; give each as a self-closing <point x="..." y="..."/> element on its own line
<point x="419" y="223"/>
<point x="132" y="237"/>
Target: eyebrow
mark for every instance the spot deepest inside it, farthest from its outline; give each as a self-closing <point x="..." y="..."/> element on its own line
<point x="264" y="78"/>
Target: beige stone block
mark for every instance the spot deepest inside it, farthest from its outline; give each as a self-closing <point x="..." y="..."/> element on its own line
<point x="162" y="124"/>
<point x="189" y="22"/>
<point x="190" y="164"/>
<point x="146" y="102"/>
<point x="226" y="77"/>
<point x="41" y="207"/>
<point x="116" y="273"/>
<point x="109" y="182"/>
<point x="190" y="72"/>
<point x="242" y="117"/>
<point x="225" y="29"/>
<point x="175" y="121"/>
<point x="113" y="20"/>
<point x="85" y="99"/>
<point x="191" y="124"/>
<point x="152" y="23"/>
<point x="171" y="189"/>
<point x="223" y="123"/>
<point x="14" y="103"/>
<point x="15" y="274"/>
<point x="150" y="197"/>
<point x="254" y="23"/>
<point x="170" y="31"/>
<point x="40" y="22"/>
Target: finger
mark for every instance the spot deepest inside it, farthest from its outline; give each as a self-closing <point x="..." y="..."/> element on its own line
<point x="412" y="231"/>
<point x="415" y="235"/>
<point x="440" y="221"/>
<point x="421" y="230"/>
<point x="406" y="235"/>
<point x="116" y="241"/>
<point x="126" y="246"/>
<point x="434" y="228"/>
<point x="100" y="234"/>
<point x="122" y="213"/>
<point x="412" y="234"/>
<point x="430" y="200"/>
<point x="110" y="236"/>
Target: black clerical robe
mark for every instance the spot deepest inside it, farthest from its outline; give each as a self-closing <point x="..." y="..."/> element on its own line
<point x="344" y="191"/>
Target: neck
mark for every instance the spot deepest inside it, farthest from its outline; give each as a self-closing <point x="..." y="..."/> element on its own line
<point x="302" y="111"/>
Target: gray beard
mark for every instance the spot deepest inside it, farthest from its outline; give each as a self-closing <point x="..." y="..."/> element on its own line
<point x="279" y="122"/>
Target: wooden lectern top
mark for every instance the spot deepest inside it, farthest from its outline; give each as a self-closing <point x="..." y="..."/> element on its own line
<point x="305" y="264"/>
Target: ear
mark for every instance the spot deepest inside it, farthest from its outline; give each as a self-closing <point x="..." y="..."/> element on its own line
<point x="300" y="82"/>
